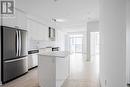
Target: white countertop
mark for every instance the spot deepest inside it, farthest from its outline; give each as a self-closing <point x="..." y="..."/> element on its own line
<point x="61" y="54"/>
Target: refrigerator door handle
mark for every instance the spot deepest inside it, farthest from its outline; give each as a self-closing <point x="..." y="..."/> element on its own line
<point x="17" y="43"/>
<point x="8" y="61"/>
<point x="20" y="43"/>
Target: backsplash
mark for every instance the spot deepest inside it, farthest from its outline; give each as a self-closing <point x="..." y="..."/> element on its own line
<point x="36" y="44"/>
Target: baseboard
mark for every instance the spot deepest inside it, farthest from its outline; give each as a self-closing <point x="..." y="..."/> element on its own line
<point x="33" y="67"/>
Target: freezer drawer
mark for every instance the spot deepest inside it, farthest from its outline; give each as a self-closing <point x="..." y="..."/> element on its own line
<point x="14" y="68"/>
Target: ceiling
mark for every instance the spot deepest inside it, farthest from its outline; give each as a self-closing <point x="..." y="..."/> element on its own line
<point x="75" y="13"/>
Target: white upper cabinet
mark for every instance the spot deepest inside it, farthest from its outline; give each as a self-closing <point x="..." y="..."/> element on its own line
<point x="11" y="21"/>
<point x="19" y="20"/>
<point x="37" y="31"/>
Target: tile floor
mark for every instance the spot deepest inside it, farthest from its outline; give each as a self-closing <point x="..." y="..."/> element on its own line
<point x="82" y="74"/>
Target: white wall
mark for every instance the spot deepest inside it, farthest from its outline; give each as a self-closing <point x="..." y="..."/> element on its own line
<point x="113" y="43"/>
<point x="93" y="44"/>
<point x="67" y="43"/>
<point x="84" y="43"/>
<point x="91" y="27"/>
<point x="128" y="43"/>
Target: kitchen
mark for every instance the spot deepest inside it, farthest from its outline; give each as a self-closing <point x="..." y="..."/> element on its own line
<point x="33" y="39"/>
<point x="25" y="33"/>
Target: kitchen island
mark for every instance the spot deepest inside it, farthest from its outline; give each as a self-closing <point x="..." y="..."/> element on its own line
<point x="53" y="68"/>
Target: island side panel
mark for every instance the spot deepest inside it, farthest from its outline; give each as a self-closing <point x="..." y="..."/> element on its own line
<point x="47" y="71"/>
<point x="62" y="70"/>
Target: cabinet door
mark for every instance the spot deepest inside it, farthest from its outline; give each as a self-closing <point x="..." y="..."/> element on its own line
<point x="42" y="32"/>
<point x="37" y="31"/>
<point x="19" y="20"/>
<point x="32" y="29"/>
<point x="46" y="33"/>
<point x="35" y="60"/>
<point x="9" y="21"/>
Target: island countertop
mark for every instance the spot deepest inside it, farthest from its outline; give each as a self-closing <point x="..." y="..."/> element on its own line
<point x="61" y="54"/>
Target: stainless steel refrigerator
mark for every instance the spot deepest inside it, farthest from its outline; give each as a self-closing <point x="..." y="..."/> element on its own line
<point x="13" y="53"/>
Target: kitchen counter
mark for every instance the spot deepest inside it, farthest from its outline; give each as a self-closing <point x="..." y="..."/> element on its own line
<point x="53" y="68"/>
<point x="61" y="54"/>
